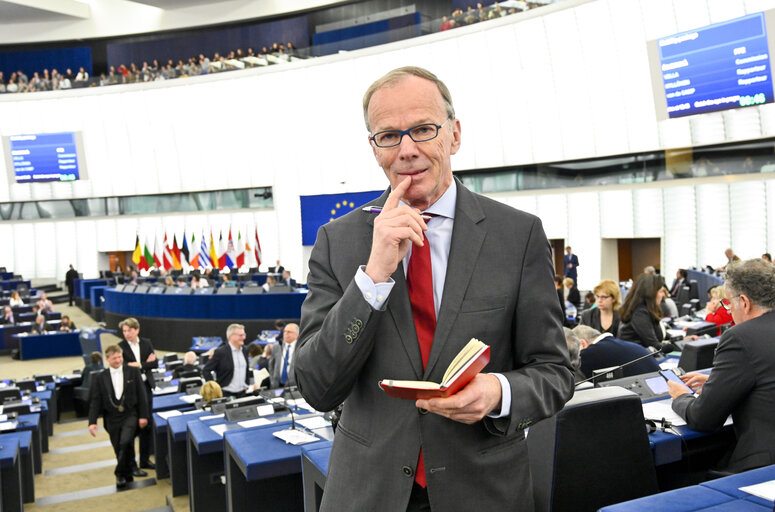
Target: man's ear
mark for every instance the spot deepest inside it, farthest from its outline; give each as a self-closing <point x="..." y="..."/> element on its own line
<point x="584" y="344"/>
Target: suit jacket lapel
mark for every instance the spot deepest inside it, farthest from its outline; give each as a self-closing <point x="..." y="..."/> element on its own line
<point x="467" y="239"/>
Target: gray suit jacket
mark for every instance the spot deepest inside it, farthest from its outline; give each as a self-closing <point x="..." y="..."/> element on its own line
<point x="742" y="384"/>
<point x="276" y="366"/>
<point x="499" y="288"/>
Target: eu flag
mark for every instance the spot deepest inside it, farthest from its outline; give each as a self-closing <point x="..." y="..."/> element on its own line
<point x="322" y="209"/>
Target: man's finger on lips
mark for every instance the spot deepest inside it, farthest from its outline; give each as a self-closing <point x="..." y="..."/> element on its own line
<point x="397" y="193"/>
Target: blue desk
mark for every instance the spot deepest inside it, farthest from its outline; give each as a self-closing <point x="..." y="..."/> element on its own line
<point x="25" y="461"/>
<point x="722" y="495"/>
<point x="83" y="287"/>
<point x="314" y="470"/>
<point x="51" y="344"/>
<point x="160" y="447"/>
<point x="704" y="283"/>
<point x="168" y="402"/>
<point x="202" y="344"/>
<point x="263" y="468"/>
<point x="176" y="450"/>
<point x="10" y="476"/>
<point x="6" y="331"/>
<point x="31" y="423"/>
<point x="205" y="450"/>
<point x="11" y="285"/>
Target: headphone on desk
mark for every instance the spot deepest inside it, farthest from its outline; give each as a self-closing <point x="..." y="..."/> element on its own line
<point x="651" y="425"/>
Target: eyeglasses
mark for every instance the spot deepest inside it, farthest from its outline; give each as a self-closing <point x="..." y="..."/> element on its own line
<point x="602" y="297"/>
<point x="727" y="305"/>
<point x="419" y="133"/>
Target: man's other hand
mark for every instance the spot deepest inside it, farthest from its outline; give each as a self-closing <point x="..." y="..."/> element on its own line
<point x="134" y="363"/>
<point x="676" y="389"/>
<point x="151" y="358"/>
<point x="142" y="422"/>
<point x="93" y="429"/>
<point x="395" y="229"/>
<point x="472" y="403"/>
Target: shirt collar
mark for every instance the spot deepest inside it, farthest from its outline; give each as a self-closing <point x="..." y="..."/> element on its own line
<point x="602" y="337"/>
<point x="114" y="371"/>
<point x="445" y="205"/>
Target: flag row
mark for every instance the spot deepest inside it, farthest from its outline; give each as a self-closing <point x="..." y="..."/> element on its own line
<point x="199" y="253"/>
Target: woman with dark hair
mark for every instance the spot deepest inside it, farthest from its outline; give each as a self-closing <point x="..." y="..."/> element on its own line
<point x="640" y="314"/>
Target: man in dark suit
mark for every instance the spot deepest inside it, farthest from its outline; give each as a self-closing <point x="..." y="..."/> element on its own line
<point x="570" y="262"/>
<point x="117" y="393"/>
<point x="598" y="350"/>
<point x="138" y="352"/>
<point x="282" y="361"/>
<point x="277" y="269"/>
<point x="7" y="317"/>
<point x="70" y="278"/>
<point x="287" y="280"/>
<point x="39" y="326"/>
<point x="230" y="363"/>
<point x="679" y="281"/>
<point x="378" y="284"/>
<point x="189" y="366"/>
<point x="742" y="381"/>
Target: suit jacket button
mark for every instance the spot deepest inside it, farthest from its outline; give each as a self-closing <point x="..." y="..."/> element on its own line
<point x="408" y="471"/>
<point x="422" y="411"/>
<point x="348" y="338"/>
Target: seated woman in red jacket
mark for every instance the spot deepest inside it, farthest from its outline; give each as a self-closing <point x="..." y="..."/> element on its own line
<point x="716" y="313"/>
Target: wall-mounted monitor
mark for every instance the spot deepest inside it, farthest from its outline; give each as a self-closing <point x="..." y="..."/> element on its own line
<point x="717" y="67"/>
<point x="44" y="157"/>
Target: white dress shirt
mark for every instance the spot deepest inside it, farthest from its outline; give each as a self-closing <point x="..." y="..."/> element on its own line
<point x="439" y="235"/>
<point x="135" y="348"/>
<point x="117" y="377"/>
<point x="237" y="383"/>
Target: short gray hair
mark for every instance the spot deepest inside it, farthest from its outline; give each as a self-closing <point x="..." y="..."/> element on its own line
<point x="753" y="278"/>
<point x="586" y="332"/>
<point x="574" y="347"/>
<point x="233" y="327"/>
<point x="395" y="76"/>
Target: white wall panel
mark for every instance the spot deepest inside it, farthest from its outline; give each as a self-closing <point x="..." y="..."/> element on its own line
<point x="524" y="202"/>
<point x="748" y="226"/>
<point x="680" y="233"/>
<point x="690" y="14"/>
<point x="713" y="227"/>
<point x="8" y="247"/>
<point x="722" y="10"/>
<point x="66" y="248"/>
<point x="647" y="213"/>
<point x="45" y="259"/>
<point x="584" y="236"/>
<point x="615" y="214"/>
<point x="553" y="211"/>
<point x="24" y="249"/>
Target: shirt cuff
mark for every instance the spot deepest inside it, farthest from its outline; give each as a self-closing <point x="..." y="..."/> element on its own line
<point x="505" y="398"/>
<point x="376" y="294"/>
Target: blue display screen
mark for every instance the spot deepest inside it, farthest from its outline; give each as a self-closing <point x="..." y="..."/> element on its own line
<point x="718" y="67"/>
<point x="44" y="157"/>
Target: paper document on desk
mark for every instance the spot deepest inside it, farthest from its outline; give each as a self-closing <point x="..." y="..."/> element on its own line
<point x="764" y="490"/>
<point x="7" y="425"/>
<point x="190" y="399"/>
<point x="295" y="437"/>
<point x="219" y="429"/>
<point x="662" y="409"/>
<point x="168" y="414"/>
<point x="314" y="422"/>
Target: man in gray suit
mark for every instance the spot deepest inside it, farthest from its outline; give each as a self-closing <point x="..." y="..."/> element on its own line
<point x="398" y="295"/>
<point x="742" y="382"/>
<point x="281" y="364"/>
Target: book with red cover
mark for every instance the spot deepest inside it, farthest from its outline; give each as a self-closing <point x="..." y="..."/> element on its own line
<point x="466" y="365"/>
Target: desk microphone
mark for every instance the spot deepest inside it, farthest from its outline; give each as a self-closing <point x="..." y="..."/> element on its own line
<point x="290" y="389"/>
<point x="664" y="349"/>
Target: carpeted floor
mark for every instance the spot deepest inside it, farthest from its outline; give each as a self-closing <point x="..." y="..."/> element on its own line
<point x="71" y="486"/>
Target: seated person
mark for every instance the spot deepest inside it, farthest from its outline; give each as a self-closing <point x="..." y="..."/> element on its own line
<point x="572" y="292"/>
<point x="16" y="299"/>
<point x="7" y="317"/>
<point x="641" y="316"/>
<point x="742" y="381"/>
<point x="189" y="365"/>
<point x="67" y="325"/>
<point x="45" y="305"/>
<point x="169" y="281"/>
<point x="39" y="327"/>
<point x="605" y="317"/>
<point x="574" y="347"/>
<point x="667" y="305"/>
<point x="589" y="300"/>
<point x="210" y="391"/>
<point x="227" y="282"/>
<point x="198" y="281"/>
<point x="259" y="360"/>
<point x="270" y="281"/>
<point x="182" y="283"/>
<point x="604" y="351"/>
<point x="716" y="313"/>
<point x="287" y="280"/>
<point x="94" y="365"/>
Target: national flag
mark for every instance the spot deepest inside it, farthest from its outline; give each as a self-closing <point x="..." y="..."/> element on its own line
<point x="138" y="252"/>
<point x="204" y="257"/>
<point x="241" y="248"/>
<point x="213" y="253"/>
<point x="148" y="256"/>
<point x="176" y="254"/>
<point x="193" y="260"/>
<point x="257" y="250"/>
<point x="184" y="251"/>
<point x="167" y="259"/>
<point x="157" y="253"/>
<point x="229" y="256"/>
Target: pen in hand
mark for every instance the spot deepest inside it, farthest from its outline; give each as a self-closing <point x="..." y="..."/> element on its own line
<point x="378" y="209"/>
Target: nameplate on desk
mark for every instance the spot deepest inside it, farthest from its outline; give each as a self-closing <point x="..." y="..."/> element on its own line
<point x="314" y="422"/>
<point x="765" y="490"/>
<point x="8" y="425"/>
<point x="265" y="410"/>
<point x="211" y="417"/>
<point x="168" y="414"/>
<point x="257" y="422"/>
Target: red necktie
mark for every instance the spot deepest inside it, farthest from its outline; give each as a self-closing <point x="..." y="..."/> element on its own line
<point x="419" y="282"/>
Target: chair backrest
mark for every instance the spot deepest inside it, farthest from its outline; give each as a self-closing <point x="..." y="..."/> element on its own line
<point x="280" y="288"/>
<point x="252" y="290"/>
<point x="571" y="471"/>
<point x="698" y="354"/>
<point x="227" y="290"/>
<point x="694" y="292"/>
<point x="89" y="339"/>
<point x="683" y="296"/>
<point x="204" y="291"/>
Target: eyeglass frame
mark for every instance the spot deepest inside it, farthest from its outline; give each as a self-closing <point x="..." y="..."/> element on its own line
<point x="727" y="303"/>
<point x="408" y="131"/>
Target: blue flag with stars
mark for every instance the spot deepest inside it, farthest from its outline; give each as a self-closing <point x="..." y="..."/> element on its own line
<point x="322" y="209"/>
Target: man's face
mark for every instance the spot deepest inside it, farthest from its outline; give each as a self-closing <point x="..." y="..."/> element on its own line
<point x="237" y="338"/>
<point x="568" y="250"/>
<point x="290" y="333"/>
<point x="130" y="334"/>
<point x="729" y="254"/>
<point x="734" y="306"/>
<point x="115" y="360"/>
<point x="286" y="274"/>
<point x="410" y="102"/>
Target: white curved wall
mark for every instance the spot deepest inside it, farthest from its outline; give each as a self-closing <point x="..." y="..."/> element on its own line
<point x="562" y="82"/>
